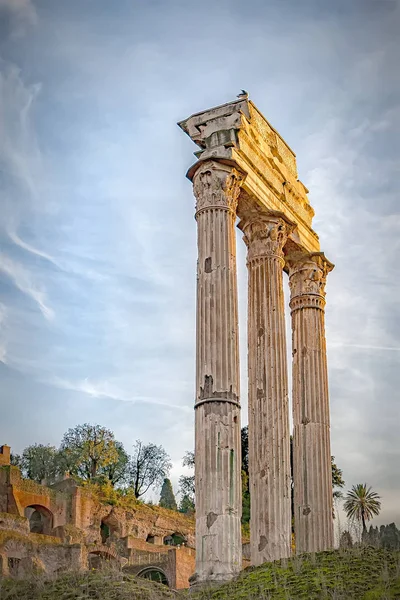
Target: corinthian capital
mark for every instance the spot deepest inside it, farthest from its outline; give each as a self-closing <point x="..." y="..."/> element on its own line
<point x="307" y="274"/>
<point x="216" y="185"/>
<point x="265" y="234"/>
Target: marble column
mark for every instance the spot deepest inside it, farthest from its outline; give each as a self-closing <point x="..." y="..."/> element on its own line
<point x="269" y="434"/>
<point x="217" y="409"/>
<point x="312" y="473"/>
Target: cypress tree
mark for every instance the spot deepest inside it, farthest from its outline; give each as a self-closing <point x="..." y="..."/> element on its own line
<point x="186" y="505"/>
<point x="167" y="498"/>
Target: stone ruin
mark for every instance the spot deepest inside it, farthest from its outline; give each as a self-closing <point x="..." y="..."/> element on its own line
<point x="63" y="527"/>
<point x="245" y="171"/>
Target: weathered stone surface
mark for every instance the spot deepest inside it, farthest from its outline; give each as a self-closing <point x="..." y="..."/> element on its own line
<point x="238" y="134"/>
<point x="237" y="143"/>
<point x="217" y="419"/>
<point x="269" y="435"/>
<point x="74" y="528"/>
<point x="5" y="452"/>
<point x="312" y="472"/>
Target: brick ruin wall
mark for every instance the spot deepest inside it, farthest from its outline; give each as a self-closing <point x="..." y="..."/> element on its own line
<point x="64" y="527"/>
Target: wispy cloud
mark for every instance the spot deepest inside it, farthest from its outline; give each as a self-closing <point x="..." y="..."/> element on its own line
<point x="107" y="389"/>
<point x="24" y="281"/>
<point x="14" y="237"/>
<point x="363" y="346"/>
<point x="19" y="153"/>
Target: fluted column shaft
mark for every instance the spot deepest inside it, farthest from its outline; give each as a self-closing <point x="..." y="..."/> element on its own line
<point x="312" y="472"/>
<point x="217" y="417"/>
<point x="269" y="435"/>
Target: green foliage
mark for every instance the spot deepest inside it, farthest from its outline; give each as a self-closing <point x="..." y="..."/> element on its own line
<point x="356" y="574"/>
<point x="188" y="460"/>
<point x="186" y="505"/>
<point x="16" y="460"/>
<point x="245" y="498"/>
<point x="186" y="483"/>
<point x="346" y="541"/>
<point x="116" y="472"/>
<point x="387" y="536"/>
<point x="149" y="466"/>
<point x="39" y="462"/>
<point x="167" y="498"/>
<point x="337" y="480"/>
<point x="90" y="454"/>
<point x="87" y="450"/>
<point x="337" y="475"/>
<point x="244" y="437"/>
<point x="362" y="504"/>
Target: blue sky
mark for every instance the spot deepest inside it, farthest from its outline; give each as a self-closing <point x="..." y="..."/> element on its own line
<point x="98" y="242"/>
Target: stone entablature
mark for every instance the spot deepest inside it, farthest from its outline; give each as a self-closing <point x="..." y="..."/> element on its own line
<point x="237" y="134"/>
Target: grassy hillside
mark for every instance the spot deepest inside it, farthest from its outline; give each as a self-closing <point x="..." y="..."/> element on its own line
<point x="102" y="585"/>
<point x="359" y="574"/>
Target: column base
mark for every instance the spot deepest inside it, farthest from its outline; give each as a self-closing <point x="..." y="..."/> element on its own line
<point x="213" y="581"/>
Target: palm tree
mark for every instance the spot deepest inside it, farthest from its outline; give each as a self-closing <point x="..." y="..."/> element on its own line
<point x="362" y="504"/>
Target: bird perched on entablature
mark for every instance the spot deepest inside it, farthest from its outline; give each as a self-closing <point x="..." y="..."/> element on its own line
<point x="243" y="95"/>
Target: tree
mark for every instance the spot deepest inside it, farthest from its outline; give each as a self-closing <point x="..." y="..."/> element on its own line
<point x="117" y="472"/>
<point x="389" y="537"/>
<point x="39" y="462"/>
<point x="149" y="466"/>
<point x="167" y="498"/>
<point x="244" y="436"/>
<point x="87" y="450"/>
<point x="337" y="479"/>
<point x="362" y="504"/>
<point x="186" y="482"/>
<point x="16" y="460"/>
<point x="186" y="505"/>
<point x="245" y="498"/>
<point x="346" y="541"/>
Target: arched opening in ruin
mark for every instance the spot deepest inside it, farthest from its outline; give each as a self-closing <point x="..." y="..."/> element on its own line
<point x="104" y="532"/>
<point x="99" y="560"/>
<point x="40" y="519"/>
<point x="109" y="526"/>
<point x="150" y="539"/>
<point x="175" y="539"/>
<point x="154" y="574"/>
<point x="14" y="566"/>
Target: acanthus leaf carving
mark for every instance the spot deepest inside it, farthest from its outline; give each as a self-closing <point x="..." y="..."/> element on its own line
<point x="307" y="274"/>
<point x="265" y="235"/>
<point x="217" y="186"/>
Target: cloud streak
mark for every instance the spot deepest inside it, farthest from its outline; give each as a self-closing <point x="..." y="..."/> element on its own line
<point x="106" y="389"/>
<point x="23" y="280"/>
<point x="363" y="346"/>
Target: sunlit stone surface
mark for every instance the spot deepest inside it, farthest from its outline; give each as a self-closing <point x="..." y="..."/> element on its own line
<point x="246" y="170"/>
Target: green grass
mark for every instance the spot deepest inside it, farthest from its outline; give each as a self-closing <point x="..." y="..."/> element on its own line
<point x="99" y="585"/>
<point x="359" y="574"/>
